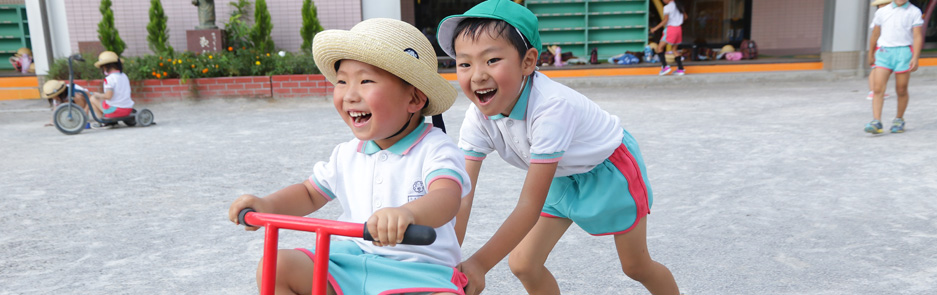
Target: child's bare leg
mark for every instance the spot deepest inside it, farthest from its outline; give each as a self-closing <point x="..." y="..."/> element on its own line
<point x="96" y="105"/>
<point x="528" y="258"/>
<point x="901" y="87"/>
<point x="294" y="273"/>
<point x="637" y="264"/>
<point x="878" y="91"/>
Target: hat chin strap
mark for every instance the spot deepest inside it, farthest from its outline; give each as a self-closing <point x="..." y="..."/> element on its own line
<point x="405" y="125"/>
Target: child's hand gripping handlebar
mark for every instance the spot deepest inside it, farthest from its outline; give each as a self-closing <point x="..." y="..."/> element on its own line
<point x="414" y="235"/>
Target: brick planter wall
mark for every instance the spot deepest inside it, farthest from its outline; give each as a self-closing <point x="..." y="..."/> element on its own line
<point x="154" y="90"/>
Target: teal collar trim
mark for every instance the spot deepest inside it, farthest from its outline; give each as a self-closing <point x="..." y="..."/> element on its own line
<point x="519" y="112"/>
<point x="905" y="5"/>
<point x="401" y="147"/>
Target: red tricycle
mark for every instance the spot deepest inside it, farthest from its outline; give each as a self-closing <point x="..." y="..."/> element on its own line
<point x="414" y="235"/>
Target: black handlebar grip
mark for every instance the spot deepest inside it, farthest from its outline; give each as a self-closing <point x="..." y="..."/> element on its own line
<point x="242" y="214"/>
<point x="415" y="235"/>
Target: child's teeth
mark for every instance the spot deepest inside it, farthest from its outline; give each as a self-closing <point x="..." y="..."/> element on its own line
<point x="484" y="91"/>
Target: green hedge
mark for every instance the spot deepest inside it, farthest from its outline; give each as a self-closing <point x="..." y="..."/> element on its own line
<point x="187" y="65"/>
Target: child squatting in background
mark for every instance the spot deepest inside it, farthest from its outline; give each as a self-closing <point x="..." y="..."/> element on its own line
<point x="582" y="166"/>
<point x="397" y="170"/>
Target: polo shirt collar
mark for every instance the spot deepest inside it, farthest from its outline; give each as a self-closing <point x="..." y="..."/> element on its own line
<point x="905" y="5"/>
<point x="402" y="146"/>
<point x="519" y="112"/>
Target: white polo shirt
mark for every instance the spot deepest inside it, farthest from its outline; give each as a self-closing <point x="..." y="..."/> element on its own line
<point x="550" y="123"/>
<point x="675" y="18"/>
<point x="120" y="84"/>
<point x="364" y="178"/>
<point x="897" y="24"/>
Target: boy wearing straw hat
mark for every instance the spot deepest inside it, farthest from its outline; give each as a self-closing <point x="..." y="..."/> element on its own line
<point x="115" y="101"/>
<point x="397" y="170"/>
<point x="582" y="166"/>
<point x="895" y="46"/>
<point x="57" y="93"/>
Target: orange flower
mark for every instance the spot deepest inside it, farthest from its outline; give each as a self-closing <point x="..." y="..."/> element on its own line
<point x="154" y="73"/>
<point x="160" y="64"/>
<point x="164" y="73"/>
<point x="193" y="66"/>
<point x="243" y="47"/>
<point x="160" y="58"/>
<point x="268" y="53"/>
<point x="169" y="59"/>
<point x="230" y="48"/>
<point x="204" y="71"/>
<point x="158" y="76"/>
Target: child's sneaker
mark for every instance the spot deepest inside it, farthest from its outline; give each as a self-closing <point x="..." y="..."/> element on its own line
<point x="679" y="73"/>
<point x="897" y="125"/>
<point x="874" y="127"/>
<point x="872" y="96"/>
<point x="664" y="70"/>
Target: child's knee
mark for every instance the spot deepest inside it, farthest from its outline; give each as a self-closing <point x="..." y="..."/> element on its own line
<point x="638" y="270"/>
<point x="521" y="267"/>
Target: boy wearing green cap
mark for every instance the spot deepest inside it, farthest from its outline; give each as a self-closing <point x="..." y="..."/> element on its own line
<point x="582" y="166"/>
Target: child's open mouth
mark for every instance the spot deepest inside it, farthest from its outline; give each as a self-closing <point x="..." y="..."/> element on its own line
<point x="484" y="96"/>
<point x="359" y="118"/>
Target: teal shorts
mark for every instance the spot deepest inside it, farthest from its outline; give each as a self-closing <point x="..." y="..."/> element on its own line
<point x="610" y="199"/>
<point x="351" y="271"/>
<point x="896" y="59"/>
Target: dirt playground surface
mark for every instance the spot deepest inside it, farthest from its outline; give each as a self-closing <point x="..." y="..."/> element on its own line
<point x="759" y="188"/>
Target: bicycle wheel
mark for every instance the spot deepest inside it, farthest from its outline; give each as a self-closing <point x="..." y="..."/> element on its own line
<point x="144" y="117"/>
<point x="69" y="118"/>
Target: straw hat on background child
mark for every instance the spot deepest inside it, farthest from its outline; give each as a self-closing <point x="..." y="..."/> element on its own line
<point x="880" y="2"/>
<point x="392" y="45"/>
<point x="52" y="89"/>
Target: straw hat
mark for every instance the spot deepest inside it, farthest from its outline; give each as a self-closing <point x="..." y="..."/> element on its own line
<point x="106" y="58"/>
<point x="880" y="2"/>
<point x="22" y="51"/>
<point x="52" y="88"/>
<point x="392" y="45"/>
<point x="514" y="14"/>
<point x="724" y="50"/>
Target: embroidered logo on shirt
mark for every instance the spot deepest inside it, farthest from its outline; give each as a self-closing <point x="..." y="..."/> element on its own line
<point x="418" y="187"/>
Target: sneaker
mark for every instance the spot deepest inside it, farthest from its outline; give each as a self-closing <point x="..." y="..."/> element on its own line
<point x="874" y="127"/>
<point x="872" y="96"/>
<point x="679" y="73"/>
<point x="897" y="125"/>
<point x="664" y="70"/>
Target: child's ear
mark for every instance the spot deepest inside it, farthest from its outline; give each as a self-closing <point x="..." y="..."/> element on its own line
<point x="417" y="101"/>
<point x="529" y="62"/>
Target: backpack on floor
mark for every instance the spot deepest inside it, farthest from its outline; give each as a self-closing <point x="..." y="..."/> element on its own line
<point x="749" y="49"/>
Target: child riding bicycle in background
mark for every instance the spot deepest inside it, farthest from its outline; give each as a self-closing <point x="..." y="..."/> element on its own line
<point x="582" y="166"/>
<point x="114" y="101"/>
<point x="397" y="171"/>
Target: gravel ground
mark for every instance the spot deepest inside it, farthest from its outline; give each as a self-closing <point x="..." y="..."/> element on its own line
<point x="760" y="188"/>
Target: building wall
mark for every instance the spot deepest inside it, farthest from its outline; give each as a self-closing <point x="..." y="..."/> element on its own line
<point x="132" y="17"/>
<point x="788" y="26"/>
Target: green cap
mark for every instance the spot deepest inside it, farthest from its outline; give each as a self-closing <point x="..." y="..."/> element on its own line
<point x="514" y="14"/>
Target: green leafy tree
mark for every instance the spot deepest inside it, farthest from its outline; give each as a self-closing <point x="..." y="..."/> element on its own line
<point x="237" y="29"/>
<point x="107" y="31"/>
<point x="260" y="33"/>
<point x="158" y="37"/>
<point x="311" y="25"/>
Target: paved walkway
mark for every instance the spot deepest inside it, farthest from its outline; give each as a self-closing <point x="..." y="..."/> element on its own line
<point x="766" y="187"/>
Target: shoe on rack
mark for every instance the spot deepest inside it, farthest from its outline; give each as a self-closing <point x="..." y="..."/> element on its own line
<point x="664" y="70"/>
<point x="874" y="127"/>
<point x="679" y="73"/>
<point x="897" y="125"/>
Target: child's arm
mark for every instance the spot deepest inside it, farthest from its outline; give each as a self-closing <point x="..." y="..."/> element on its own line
<point x="106" y="95"/>
<point x="873" y="42"/>
<point x="436" y="208"/>
<point x="916" y="47"/>
<point x="514" y="228"/>
<point x="465" y="210"/>
<point x="298" y="200"/>
<point x="662" y="23"/>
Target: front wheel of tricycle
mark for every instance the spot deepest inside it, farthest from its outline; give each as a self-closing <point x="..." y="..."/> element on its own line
<point x="69" y="118"/>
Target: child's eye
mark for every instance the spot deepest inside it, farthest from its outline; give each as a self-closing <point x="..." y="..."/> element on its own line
<point x="493" y="60"/>
<point x="365" y="81"/>
<point x="464" y="65"/>
<point x="340" y="82"/>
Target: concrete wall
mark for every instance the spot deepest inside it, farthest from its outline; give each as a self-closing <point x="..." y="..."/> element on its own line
<point x="784" y="27"/>
<point x="132" y="17"/>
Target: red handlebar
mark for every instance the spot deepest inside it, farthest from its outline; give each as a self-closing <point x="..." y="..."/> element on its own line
<point x="414" y="235"/>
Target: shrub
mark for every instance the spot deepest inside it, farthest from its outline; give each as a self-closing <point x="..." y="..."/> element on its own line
<point x="83" y="70"/>
<point x="260" y="33"/>
<point x="310" y="27"/>
<point x="158" y="37"/>
<point x="107" y="32"/>
<point x="237" y="29"/>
